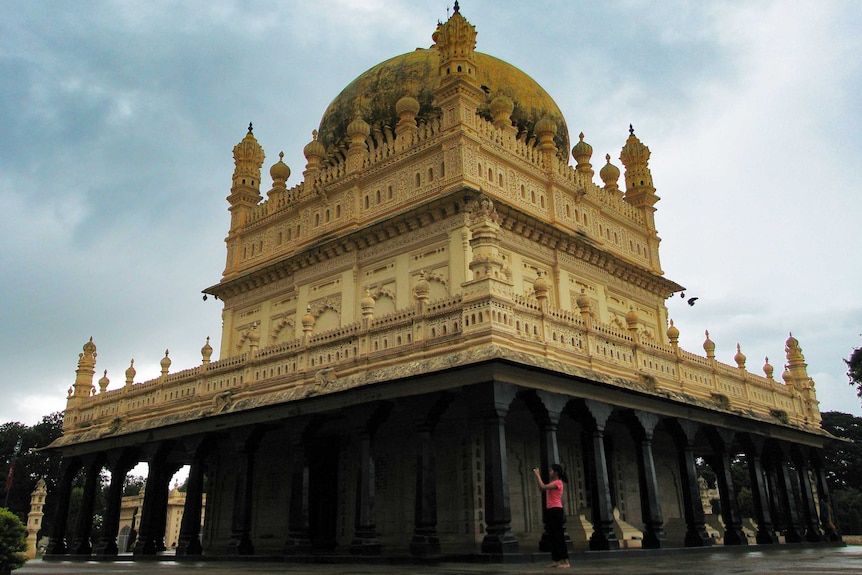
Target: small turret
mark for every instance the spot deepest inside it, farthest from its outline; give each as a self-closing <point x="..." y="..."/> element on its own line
<point x="206" y="352"/>
<point x="407" y="108"/>
<point x="279" y="172"/>
<point x="314" y="153"/>
<point x="582" y="152"/>
<point x="709" y="346"/>
<point x="610" y="175"/>
<point x="165" y="363"/>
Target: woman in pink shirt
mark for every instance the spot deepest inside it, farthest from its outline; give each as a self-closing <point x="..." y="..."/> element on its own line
<point x="555" y="518"/>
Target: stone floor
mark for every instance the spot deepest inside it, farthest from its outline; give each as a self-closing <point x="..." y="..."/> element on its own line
<point x="784" y="560"/>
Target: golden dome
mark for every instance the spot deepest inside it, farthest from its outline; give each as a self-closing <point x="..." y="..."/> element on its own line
<point x="374" y="95"/>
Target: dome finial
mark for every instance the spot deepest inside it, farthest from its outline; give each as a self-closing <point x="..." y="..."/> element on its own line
<point x="631" y="130"/>
<point x="456" y="9"/>
<point x="250" y="128"/>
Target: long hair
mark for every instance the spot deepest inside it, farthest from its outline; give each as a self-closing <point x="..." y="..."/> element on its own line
<point x="561" y="474"/>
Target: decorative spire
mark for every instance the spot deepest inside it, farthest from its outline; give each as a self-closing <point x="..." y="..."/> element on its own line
<point x="673" y="336"/>
<point x="206" y="352"/>
<point x="104" y="382"/>
<point x="582" y="152"/>
<point x="248" y="158"/>
<point x="131" y="372"/>
<point x="739" y="358"/>
<point x="709" y="346"/>
<point x="610" y="175"/>
<point x="456" y="41"/>
<point x="767" y="368"/>
<point x="279" y="172"/>
<point x="165" y="363"/>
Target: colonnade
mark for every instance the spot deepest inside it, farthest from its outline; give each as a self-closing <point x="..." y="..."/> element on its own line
<point x="780" y="475"/>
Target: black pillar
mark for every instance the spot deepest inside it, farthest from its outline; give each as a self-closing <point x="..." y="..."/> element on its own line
<point x="148" y="542"/>
<point x="82" y="545"/>
<point x="548" y="419"/>
<point x="495" y="400"/>
<point x="425" y="541"/>
<point x="793" y="527"/>
<point x="365" y="541"/>
<point x="651" y="514"/>
<point x="603" y="537"/>
<point x="246" y="442"/>
<point x="759" y="492"/>
<point x="722" y="442"/>
<point x="120" y="466"/>
<point x="813" y="534"/>
<point x="827" y="516"/>
<point x="189" y="541"/>
<point x="57" y="542"/>
<point x="298" y="531"/>
<point x="696" y="535"/>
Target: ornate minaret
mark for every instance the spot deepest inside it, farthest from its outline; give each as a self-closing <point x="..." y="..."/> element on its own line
<point x="83" y="386"/>
<point x="459" y="93"/>
<point x="804" y="385"/>
<point x="640" y="191"/>
<point x="34" y="518"/>
<point x="244" y="193"/>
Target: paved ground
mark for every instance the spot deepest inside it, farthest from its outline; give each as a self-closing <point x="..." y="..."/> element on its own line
<point x="784" y="560"/>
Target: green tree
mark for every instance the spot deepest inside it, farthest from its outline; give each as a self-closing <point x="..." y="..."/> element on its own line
<point x="13" y="540"/>
<point x="842" y="462"/>
<point x="854" y="369"/>
<point x="132" y="484"/>
<point x="31" y="463"/>
<point x="842" y="459"/>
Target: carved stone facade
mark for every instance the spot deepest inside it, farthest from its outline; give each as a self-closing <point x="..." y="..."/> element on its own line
<point x="443" y="303"/>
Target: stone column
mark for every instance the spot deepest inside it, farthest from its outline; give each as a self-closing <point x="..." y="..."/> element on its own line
<point x="696" y="535"/>
<point x="149" y="532"/>
<point x="813" y="534"/>
<point x="57" y="542"/>
<point x="759" y="492"/>
<point x="651" y="514"/>
<point x="603" y="537"/>
<point x="161" y="508"/>
<point x="365" y="541"/>
<point x="495" y="400"/>
<point x="189" y="541"/>
<point x="298" y="530"/>
<point x="247" y="441"/>
<point x="547" y="417"/>
<point x="84" y="523"/>
<point x="722" y="441"/>
<point x="119" y="468"/>
<point x="827" y="519"/>
<point x="425" y="541"/>
<point x="787" y="498"/>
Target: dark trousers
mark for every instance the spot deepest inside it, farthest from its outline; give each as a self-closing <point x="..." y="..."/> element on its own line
<point x="555" y="520"/>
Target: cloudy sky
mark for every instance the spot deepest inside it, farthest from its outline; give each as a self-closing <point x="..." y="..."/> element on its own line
<point x="117" y="122"/>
